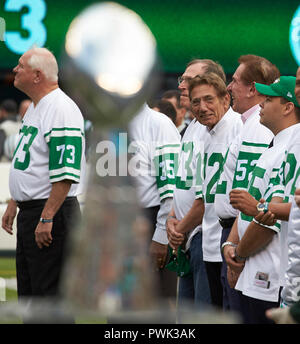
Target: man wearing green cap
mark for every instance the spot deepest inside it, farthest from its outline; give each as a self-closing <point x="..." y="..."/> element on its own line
<point x="290" y="311"/>
<point x="259" y="246"/>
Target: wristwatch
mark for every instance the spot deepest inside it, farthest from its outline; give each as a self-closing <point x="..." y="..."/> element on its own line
<point x="239" y="258"/>
<point x="170" y="217"/>
<point x="262" y="207"/>
<point x="46" y="220"/>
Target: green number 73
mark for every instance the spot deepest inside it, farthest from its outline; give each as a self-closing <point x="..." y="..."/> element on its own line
<point x="22" y="151"/>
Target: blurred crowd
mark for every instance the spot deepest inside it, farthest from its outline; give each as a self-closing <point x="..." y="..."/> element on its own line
<point x="11" y="115"/>
<point x="10" y="124"/>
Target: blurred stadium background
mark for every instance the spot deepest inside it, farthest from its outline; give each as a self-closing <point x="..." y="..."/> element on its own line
<point x="184" y="29"/>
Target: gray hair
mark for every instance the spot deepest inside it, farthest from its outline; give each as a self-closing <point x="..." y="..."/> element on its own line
<point x="43" y="59"/>
<point x="210" y="67"/>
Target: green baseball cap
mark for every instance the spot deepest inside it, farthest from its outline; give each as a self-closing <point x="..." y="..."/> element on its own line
<point x="282" y="87"/>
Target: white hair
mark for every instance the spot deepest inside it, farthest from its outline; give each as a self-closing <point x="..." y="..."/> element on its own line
<point x="43" y="59"/>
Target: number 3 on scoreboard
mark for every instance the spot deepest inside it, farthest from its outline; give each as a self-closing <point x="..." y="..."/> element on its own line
<point x="31" y="22"/>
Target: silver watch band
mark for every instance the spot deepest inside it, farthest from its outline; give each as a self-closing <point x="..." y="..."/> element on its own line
<point x="227" y="243"/>
<point x="46" y="220"/>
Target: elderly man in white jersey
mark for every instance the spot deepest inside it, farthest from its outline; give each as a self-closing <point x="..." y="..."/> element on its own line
<point x="259" y="245"/>
<point x="210" y="104"/>
<point x="244" y="150"/>
<point x="44" y="176"/>
<point x="188" y="207"/>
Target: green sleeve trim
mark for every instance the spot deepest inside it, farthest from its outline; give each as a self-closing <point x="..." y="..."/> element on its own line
<point x="166" y="146"/>
<point x="252" y="144"/>
<point x="59" y="176"/>
<point x="63" y="129"/>
<point x="163" y="194"/>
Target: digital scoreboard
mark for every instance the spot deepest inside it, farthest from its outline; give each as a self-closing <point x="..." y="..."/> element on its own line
<point x="184" y="29"/>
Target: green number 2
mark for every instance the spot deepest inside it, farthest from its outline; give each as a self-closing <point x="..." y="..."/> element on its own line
<point x="292" y="174"/>
<point x="214" y="158"/>
<point x="22" y="151"/>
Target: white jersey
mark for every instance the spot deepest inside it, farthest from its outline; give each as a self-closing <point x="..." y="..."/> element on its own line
<point x="241" y="158"/>
<point x="290" y="293"/>
<point x="155" y="142"/>
<point x="216" y="146"/>
<point x="190" y="172"/>
<point x="50" y="148"/>
<point x="260" y="277"/>
<point x="287" y="180"/>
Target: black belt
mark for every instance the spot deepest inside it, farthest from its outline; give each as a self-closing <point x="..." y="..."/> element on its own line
<point x="37" y="203"/>
<point x="226" y="223"/>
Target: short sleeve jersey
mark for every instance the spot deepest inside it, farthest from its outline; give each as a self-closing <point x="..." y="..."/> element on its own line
<point x="260" y="277"/>
<point x="290" y="169"/>
<point x="215" y="150"/>
<point x="155" y="144"/>
<point x="290" y="293"/>
<point x="286" y="182"/>
<point x="240" y="161"/>
<point x="50" y="148"/>
<point x="189" y="176"/>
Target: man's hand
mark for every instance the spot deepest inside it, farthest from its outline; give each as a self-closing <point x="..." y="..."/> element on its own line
<point x="43" y="235"/>
<point x="280" y="315"/>
<point x="159" y="254"/>
<point x="229" y="255"/>
<point x="9" y="216"/>
<point x="243" y="201"/>
<point x="232" y="277"/>
<point x="175" y="238"/>
<point x="58" y="194"/>
<point x="267" y="218"/>
<point x="297" y="197"/>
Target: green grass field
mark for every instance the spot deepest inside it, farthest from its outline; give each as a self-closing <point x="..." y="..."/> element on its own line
<point x="7" y="271"/>
<point x="7" y="266"/>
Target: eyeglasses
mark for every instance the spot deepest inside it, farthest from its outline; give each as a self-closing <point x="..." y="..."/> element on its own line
<point x="181" y="79"/>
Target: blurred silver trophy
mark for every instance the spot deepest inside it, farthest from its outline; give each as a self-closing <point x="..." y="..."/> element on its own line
<point x="109" y="69"/>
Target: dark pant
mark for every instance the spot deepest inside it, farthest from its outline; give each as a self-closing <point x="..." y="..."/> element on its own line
<point x="253" y="310"/>
<point x="213" y="270"/>
<point x="39" y="270"/>
<point x="194" y="287"/>
<point x="231" y="299"/>
<point x="167" y="280"/>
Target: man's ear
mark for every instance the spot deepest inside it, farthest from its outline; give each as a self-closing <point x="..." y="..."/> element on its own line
<point x="252" y="90"/>
<point x="288" y="108"/>
<point x="227" y="100"/>
<point x="37" y="77"/>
